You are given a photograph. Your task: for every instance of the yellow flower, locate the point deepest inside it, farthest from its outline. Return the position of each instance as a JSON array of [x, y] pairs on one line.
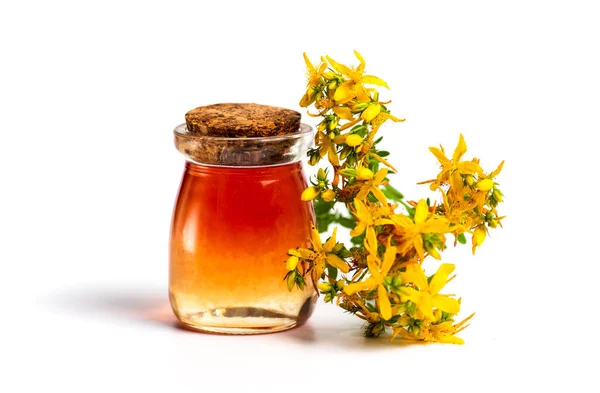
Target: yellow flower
[[343, 112], [433, 331], [369, 215], [378, 271], [321, 254], [426, 295], [453, 168], [327, 147], [411, 231], [314, 79], [370, 184], [354, 87]]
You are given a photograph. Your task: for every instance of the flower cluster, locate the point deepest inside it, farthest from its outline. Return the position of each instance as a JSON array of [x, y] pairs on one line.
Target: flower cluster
[[383, 281]]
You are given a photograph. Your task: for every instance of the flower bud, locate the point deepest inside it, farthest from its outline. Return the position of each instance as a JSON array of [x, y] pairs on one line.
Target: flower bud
[[291, 280], [321, 174], [470, 180], [309, 194], [328, 195], [353, 140], [485, 185], [291, 263], [364, 174], [314, 159], [333, 123], [324, 287], [322, 125], [339, 285], [497, 195]]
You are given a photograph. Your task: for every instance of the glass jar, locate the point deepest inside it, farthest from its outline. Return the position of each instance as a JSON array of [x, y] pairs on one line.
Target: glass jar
[[237, 214]]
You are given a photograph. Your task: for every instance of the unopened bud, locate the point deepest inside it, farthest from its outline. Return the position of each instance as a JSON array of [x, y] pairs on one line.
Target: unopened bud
[[485, 185], [291, 263], [328, 195], [324, 287]]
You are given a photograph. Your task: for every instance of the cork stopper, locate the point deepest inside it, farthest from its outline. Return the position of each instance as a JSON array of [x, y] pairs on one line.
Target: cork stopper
[[243, 135], [242, 121]]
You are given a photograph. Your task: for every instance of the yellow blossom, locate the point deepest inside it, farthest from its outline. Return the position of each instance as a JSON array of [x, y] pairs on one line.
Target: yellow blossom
[[314, 79], [411, 231], [371, 183], [453, 168], [426, 295], [321, 254], [369, 215], [354, 87], [327, 147], [378, 271]]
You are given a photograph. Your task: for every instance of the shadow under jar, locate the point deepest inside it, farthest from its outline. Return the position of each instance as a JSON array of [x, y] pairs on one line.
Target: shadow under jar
[[237, 214]]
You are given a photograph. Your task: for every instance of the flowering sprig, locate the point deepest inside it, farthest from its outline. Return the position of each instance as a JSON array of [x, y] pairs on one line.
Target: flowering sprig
[[383, 279]]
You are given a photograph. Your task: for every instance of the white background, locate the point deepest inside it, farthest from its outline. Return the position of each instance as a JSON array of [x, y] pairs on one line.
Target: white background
[[89, 95]]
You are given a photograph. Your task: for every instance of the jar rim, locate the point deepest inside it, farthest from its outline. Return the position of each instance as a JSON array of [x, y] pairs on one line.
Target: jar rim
[[181, 131]]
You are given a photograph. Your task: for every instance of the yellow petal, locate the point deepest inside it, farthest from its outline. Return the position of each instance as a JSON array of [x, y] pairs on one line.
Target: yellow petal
[[440, 278], [342, 69], [343, 112], [362, 194], [414, 274], [371, 241], [373, 80], [309, 66], [380, 175], [354, 140], [360, 286], [497, 170], [337, 262], [439, 154], [309, 194], [461, 148], [485, 185], [316, 240], [421, 212], [379, 195], [360, 228], [344, 93], [388, 260], [332, 156], [371, 112], [361, 66], [446, 304], [385, 307], [478, 237], [330, 243]]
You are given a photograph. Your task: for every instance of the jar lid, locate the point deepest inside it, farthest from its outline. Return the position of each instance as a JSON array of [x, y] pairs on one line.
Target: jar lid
[[242, 120]]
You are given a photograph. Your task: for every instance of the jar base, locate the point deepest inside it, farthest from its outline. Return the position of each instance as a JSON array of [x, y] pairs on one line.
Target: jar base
[[243, 320]]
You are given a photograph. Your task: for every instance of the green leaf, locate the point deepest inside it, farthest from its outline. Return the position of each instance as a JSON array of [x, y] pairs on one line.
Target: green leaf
[[462, 239], [392, 193], [332, 272]]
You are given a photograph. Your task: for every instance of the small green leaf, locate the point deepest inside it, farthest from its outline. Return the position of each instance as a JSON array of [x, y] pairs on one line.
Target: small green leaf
[[392, 193], [332, 272], [462, 239]]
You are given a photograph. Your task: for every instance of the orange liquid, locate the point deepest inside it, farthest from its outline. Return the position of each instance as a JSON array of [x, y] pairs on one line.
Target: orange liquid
[[230, 234]]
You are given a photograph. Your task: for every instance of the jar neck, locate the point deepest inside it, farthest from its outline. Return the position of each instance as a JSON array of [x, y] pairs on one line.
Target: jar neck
[[221, 170]]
